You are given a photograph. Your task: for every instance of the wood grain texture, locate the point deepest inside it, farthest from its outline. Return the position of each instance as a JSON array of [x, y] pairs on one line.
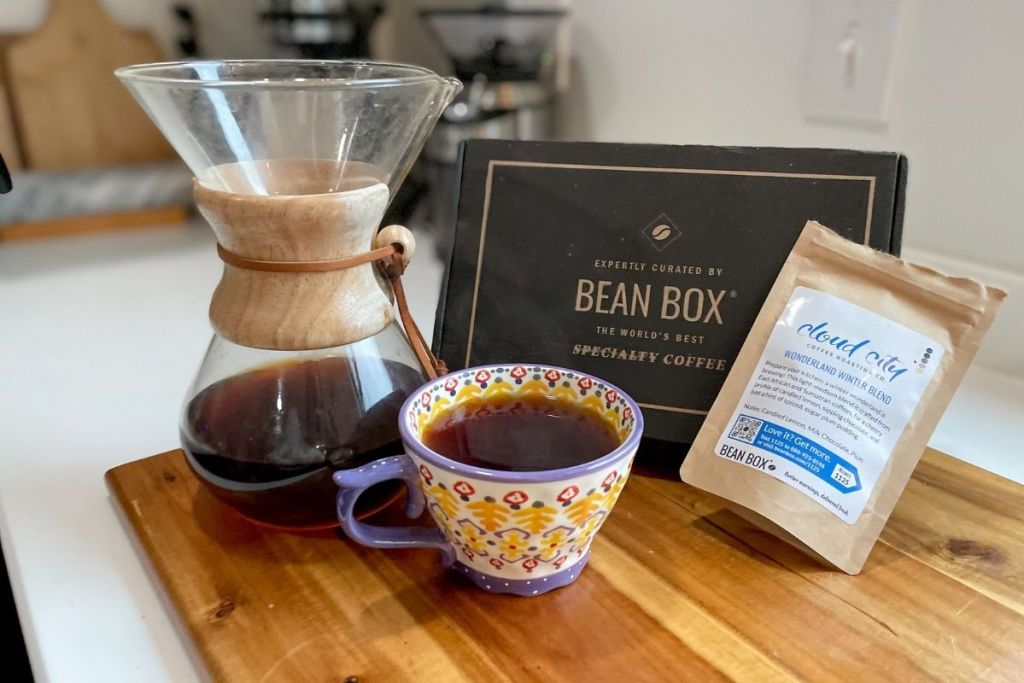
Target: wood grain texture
[[310, 210], [71, 112], [67, 226], [678, 589]]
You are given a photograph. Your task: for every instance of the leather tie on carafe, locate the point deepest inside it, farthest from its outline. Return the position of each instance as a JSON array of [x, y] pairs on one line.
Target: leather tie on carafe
[[389, 258]]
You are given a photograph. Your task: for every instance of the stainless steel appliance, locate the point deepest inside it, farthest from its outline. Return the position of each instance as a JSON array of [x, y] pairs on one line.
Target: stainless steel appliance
[[322, 29], [514, 64], [508, 59]]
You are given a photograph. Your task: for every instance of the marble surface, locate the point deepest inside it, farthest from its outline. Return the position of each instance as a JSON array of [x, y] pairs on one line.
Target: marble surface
[[38, 195], [99, 338]]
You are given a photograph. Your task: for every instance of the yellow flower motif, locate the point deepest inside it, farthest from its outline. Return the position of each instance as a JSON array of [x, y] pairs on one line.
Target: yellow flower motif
[[443, 520], [587, 531], [438, 408], [536, 517], [506, 388], [468, 393], [533, 386], [566, 393], [613, 494], [472, 537], [490, 513], [593, 403], [512, 544], [445, 499], [583, 507], [552, 543]]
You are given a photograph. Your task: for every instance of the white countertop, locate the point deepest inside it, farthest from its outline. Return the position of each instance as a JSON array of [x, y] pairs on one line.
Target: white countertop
[[99, 339]]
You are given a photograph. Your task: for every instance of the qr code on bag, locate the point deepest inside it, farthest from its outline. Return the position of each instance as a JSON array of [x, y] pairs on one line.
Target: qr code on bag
[[745, 428]]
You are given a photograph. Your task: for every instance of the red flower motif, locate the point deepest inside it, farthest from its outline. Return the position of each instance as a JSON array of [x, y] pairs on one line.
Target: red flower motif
[[451, 384], [518, 372], [428, 476], [610, 479], [585, 382], [516, 497], [560, 561], [496, 563], [611, 396], [468, 553], [482, 377], [627, 413], [568, 493], [552, 375], [530, 564], [463, 488], [425, 399]]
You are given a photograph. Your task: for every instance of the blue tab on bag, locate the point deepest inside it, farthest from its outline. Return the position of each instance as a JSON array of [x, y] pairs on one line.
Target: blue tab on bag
[[802, 451]]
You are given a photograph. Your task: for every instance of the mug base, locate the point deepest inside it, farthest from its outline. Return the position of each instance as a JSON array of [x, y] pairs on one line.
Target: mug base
[[523, 587]]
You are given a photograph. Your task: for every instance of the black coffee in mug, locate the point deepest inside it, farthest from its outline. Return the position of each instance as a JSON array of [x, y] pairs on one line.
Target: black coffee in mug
[[530, 433]]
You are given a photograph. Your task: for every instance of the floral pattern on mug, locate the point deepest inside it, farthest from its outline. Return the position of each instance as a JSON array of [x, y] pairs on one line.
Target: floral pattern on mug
[[537, 539], [525, 530], [486, 390]]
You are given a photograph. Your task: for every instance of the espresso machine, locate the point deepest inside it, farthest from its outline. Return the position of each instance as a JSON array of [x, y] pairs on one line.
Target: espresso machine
[[513, 64]]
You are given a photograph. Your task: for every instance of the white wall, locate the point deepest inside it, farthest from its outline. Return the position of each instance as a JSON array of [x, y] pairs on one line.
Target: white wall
[[729, 72]]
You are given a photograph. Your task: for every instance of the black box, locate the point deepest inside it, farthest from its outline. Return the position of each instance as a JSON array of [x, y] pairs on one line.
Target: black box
[[687, 241]]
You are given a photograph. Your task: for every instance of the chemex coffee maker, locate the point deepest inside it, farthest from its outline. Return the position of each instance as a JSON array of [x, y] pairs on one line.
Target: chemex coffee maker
[[295, 163]]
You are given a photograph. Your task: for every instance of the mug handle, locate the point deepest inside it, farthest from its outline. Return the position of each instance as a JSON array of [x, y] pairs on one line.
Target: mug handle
[[355, 481]]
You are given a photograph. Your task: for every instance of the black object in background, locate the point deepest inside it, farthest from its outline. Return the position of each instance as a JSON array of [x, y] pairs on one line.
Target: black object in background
[[16, 667], [187, 42], [336, 29], [5, 177], [642, 264]]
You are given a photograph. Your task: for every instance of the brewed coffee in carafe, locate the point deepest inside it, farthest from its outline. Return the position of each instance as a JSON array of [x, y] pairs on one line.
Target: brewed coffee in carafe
[[295, 164], [267, 440]]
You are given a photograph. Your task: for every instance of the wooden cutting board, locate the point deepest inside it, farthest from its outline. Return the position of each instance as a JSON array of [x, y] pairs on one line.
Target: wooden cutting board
[[71, 112], [677, 589]]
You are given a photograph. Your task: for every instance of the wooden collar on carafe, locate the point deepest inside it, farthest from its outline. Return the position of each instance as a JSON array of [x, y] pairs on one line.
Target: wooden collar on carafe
[[397, 248]]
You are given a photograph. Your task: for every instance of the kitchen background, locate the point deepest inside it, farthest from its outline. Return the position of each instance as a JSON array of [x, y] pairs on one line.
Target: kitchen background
[[100, 334], [734, 72]]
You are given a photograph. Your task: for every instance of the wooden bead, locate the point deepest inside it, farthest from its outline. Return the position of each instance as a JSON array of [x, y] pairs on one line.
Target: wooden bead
[[397, 234]]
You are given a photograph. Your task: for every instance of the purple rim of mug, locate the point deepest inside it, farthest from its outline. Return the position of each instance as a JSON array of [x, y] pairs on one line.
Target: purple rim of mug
[[414, 443]]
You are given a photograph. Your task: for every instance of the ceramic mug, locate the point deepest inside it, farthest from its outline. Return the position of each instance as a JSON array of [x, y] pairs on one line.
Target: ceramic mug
[[523, 533]]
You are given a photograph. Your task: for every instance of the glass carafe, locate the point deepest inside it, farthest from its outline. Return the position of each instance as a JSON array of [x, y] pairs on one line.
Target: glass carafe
[[295, 164]]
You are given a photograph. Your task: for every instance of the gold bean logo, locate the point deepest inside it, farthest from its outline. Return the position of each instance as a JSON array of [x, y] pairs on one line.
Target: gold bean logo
[[661, 232]]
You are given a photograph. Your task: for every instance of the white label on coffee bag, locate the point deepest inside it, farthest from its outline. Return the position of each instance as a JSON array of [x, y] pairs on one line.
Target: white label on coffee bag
[[829, 399]]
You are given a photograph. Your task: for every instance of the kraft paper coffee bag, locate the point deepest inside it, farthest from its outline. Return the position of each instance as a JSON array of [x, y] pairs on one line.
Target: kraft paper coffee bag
[[844, 375]]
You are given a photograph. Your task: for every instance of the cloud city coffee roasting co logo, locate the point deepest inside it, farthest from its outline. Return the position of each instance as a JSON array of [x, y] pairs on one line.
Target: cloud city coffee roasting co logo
[[662, 232]]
